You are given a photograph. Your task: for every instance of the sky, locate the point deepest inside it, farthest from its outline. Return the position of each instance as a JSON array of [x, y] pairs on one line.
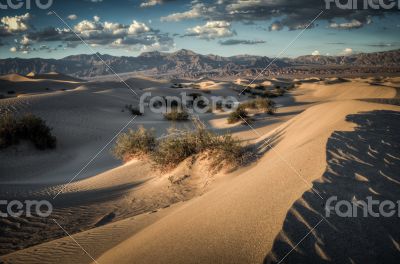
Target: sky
[[221, 27]]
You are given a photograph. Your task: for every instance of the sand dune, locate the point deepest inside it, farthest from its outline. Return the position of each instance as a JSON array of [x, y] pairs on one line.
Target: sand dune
[[252, 215], [219, 226]]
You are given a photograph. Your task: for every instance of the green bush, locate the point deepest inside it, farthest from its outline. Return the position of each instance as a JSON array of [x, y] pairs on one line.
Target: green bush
[[238, 115], [176, 115], [28, 127], [134, 144]]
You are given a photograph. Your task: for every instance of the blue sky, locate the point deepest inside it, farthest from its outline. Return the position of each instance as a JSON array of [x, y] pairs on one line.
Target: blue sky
[[222, 27]]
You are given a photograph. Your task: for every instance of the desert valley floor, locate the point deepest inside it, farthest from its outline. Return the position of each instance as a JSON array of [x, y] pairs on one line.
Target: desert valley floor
[[328, 137]]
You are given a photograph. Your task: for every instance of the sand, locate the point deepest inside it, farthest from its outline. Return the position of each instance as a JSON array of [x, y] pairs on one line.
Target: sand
[[250, 215]]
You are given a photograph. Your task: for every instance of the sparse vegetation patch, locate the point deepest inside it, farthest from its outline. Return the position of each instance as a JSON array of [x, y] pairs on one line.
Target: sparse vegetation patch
[[238, 115], [177, 145], [176, 115], [28, 127]]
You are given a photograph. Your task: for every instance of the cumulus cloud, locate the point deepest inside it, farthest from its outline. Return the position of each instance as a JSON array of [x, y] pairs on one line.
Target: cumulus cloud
[[25, 41], [198, 10], [346, 52], [14, 24], [72, 17], [348, 25], [96, 32], [212, 30], [276, 26], [286, 13], [231, 42], [151, 3], [13, 49], [315, 53]]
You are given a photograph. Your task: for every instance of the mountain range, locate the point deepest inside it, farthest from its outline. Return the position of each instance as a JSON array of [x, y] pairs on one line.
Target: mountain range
[[186, 63]]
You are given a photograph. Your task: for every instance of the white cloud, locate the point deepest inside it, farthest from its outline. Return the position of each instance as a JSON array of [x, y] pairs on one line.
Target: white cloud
[[13, 24], [96, 18], [137, 27], [346, 52], [315, 53], [197, 11], [13, 49], [72, 17], [212, 30], [347, 25], [276, 26], [25, 41], [150, 3], [86, 25]]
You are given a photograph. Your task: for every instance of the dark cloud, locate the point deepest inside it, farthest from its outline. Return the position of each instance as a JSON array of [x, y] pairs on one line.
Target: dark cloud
[[286, 13], [230, 42]]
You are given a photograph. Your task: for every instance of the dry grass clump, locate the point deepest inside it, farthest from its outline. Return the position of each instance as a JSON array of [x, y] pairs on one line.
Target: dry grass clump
[[238, 115], [28, 127], [176, 115], [178, 145], [133, 110], [134, 144], [264, 104]]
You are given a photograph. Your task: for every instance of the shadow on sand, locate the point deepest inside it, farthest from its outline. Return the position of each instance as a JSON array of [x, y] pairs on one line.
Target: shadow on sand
[[361, 163]]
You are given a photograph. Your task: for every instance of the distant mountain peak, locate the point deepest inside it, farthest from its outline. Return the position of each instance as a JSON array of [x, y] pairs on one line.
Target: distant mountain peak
[[185, 52]]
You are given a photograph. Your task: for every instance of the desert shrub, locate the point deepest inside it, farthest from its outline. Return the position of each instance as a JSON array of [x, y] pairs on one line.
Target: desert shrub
[[178, 145], [28, 127], [34, 128], [266, 105], [11, 92], [9, 132], [176, 115], [138, 143], [133, 110], [259, 87], [249, 104], [280, 91], [2, 96], [174, 149], [238, 115]]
